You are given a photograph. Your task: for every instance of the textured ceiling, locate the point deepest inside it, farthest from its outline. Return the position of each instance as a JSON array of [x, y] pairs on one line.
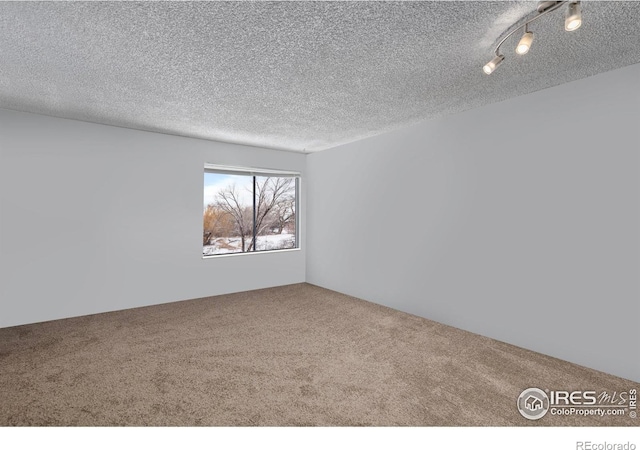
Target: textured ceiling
[[301, 76]]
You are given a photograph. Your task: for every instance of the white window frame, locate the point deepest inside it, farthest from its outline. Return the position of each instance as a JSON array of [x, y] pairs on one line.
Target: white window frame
[[260, 172]]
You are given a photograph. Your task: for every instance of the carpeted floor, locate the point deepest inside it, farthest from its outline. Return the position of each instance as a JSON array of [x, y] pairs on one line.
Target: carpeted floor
[[292, 355]]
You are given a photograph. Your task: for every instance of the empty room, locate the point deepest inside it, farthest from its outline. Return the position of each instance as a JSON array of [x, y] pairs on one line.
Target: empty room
[[327, 214]]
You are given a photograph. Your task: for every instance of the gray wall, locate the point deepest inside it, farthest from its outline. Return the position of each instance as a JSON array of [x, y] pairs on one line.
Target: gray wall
[[97, 218], [478, 220], [517, 221]]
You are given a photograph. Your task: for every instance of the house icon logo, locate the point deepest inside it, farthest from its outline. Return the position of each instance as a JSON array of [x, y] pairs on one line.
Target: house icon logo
[[533, 403]]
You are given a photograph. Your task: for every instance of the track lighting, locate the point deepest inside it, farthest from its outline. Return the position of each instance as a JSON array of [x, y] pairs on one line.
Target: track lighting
[[493, 64], [525, 43], [573, 20]]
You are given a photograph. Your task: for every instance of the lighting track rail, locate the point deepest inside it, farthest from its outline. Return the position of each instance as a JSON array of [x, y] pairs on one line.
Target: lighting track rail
[[573, 20]]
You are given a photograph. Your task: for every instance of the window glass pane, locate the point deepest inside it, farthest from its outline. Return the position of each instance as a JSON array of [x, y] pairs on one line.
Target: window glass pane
[[228, 213], [240, 209], [275, 213]]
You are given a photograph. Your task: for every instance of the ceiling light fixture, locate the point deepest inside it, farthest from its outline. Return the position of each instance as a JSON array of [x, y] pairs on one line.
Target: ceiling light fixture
[[525, 42], [493, 64], [573, 20]]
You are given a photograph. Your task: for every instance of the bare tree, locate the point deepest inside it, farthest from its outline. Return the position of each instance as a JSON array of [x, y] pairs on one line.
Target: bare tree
[[271, 193], [216, 223], [284, 213], [228, 200], [275, 197]]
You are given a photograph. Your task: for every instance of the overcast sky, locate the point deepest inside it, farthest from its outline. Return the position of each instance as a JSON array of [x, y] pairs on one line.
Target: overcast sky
[[214, 182]]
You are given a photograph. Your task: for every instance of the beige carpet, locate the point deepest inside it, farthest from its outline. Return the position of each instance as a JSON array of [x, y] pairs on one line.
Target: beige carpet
[[293, 355]]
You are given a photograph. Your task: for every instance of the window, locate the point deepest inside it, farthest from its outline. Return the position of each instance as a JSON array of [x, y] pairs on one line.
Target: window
[[249, 210]]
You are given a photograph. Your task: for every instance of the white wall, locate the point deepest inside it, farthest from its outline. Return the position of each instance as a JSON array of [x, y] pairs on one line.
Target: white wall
[[97, 218], [518, 221], [479, 220]]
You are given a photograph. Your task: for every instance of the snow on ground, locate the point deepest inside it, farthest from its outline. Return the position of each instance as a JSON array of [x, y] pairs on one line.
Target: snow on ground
[[225, 245]]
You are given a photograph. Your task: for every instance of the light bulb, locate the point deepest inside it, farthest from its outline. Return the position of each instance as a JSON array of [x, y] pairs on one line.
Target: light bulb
[[573, 19], [493, 64], [525, 43]]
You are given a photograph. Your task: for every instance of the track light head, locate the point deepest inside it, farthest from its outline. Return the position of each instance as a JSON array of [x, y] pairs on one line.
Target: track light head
[[525, 43], [493, 64], [573, 19]]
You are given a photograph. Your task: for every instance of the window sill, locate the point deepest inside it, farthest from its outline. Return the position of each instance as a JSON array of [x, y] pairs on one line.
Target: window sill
[[263, 252]]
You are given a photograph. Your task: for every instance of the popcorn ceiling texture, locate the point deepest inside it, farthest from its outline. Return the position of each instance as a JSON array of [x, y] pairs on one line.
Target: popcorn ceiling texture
[[301, 76]]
